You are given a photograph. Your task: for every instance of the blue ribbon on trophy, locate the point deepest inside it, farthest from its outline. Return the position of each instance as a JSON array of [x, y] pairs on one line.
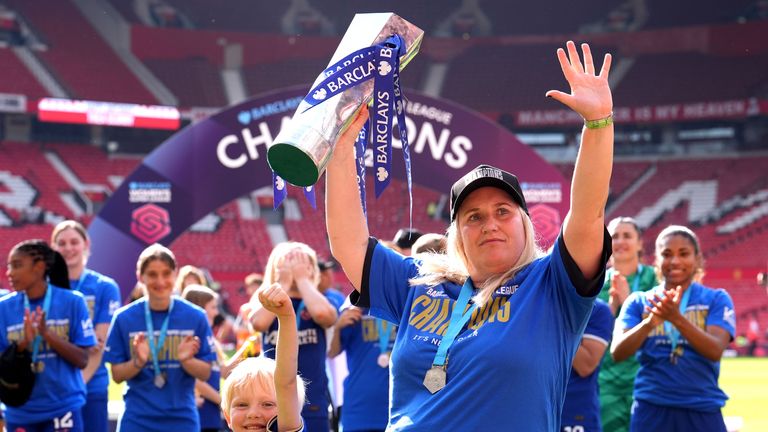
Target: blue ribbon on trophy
[[381, 63], [280, 192], [364, 69]]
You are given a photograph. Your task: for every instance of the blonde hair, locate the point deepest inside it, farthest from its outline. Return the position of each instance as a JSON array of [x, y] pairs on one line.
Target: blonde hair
[[453, 265], [178, 285], [254, 372], [279, 252]]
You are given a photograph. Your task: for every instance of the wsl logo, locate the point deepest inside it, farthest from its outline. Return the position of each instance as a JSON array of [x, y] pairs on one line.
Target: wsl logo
[[150, 223]]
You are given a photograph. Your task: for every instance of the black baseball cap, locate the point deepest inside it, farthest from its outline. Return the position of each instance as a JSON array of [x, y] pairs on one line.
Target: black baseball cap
[[326, 265], [406, 237], [482, 176]]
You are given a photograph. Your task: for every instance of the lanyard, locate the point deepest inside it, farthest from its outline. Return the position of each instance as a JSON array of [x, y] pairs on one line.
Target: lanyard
[[79, 281], [669, 329], [459, 318], [155, 348], [46, 307], [636, 280], [299, 309], [383, 335]]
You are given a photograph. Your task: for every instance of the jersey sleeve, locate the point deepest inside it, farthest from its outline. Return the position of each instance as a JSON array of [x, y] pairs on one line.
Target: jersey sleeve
[[600, 324], [81, 328], [109, 302], [632, 311], [207, 351], [385, 283], [574, 293], [116, 349], [722, 313]]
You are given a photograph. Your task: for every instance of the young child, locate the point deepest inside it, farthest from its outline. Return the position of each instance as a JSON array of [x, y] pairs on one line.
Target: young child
[[259, 391]]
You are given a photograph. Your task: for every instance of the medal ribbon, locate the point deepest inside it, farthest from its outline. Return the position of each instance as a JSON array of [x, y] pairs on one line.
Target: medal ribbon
[[636, 280], [669, 329], [382, 63], [459, 318], [154, 349], [383, 335], [37, 341]]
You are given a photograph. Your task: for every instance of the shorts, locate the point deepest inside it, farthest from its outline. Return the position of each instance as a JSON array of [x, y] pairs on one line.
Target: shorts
[[650, 417], [95, 413], [70, 421]]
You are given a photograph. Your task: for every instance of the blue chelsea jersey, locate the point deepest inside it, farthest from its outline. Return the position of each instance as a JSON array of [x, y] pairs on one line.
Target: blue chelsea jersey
[[59, 388], [692, 382], [172, 407], [508, 367]]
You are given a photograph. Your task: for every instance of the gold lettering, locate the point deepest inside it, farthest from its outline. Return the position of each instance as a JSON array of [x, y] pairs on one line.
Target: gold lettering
[[437, 321], [423, 317]]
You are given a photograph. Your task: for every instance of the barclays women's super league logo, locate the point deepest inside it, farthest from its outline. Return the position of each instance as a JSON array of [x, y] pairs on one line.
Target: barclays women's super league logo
[[150, 223]]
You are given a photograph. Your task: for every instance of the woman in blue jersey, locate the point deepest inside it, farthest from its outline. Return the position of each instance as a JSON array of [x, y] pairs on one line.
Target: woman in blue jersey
[[46, 318], [102, 296], [626, 275], [209, 399], [679, 331], [294, 266], [159, 344], [368, 344], [581, 408], [486, 334]]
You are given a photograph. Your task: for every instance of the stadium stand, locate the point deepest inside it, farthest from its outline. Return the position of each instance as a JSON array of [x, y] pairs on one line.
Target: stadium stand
[[84, 64]]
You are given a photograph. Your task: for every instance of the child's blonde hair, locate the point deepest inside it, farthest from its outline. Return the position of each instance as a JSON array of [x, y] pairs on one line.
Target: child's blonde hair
[[254, 371]]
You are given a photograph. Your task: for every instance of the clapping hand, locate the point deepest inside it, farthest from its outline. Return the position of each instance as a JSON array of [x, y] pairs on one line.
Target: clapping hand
[[141, 348], [188, 347]]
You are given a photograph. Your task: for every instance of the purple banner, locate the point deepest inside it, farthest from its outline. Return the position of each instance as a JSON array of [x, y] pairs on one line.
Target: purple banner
[[223, 157]]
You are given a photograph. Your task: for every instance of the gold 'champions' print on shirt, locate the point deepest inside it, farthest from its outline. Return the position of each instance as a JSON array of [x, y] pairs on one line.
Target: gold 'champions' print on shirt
[[58, 327], [371, 330], [696, 314], [170, 348], [433, 314], [90, 301]]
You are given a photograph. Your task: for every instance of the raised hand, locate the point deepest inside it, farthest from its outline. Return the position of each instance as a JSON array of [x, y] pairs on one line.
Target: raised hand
[[284, 272], [188, 347], [348, 317], [590, 94], [274, 299], [300, 265]]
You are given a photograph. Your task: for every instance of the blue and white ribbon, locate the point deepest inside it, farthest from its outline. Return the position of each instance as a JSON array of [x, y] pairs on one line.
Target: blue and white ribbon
[[382, 63]]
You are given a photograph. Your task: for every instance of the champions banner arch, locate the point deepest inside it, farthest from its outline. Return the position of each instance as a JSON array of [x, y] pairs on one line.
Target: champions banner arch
[[223, 157]]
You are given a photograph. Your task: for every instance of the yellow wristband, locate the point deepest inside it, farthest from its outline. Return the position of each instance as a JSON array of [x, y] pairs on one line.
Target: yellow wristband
[[599, 123]]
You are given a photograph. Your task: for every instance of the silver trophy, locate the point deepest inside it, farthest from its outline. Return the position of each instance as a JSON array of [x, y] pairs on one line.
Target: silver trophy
[[302, 149]]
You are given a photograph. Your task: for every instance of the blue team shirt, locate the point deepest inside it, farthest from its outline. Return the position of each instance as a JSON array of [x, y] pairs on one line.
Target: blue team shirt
[[312, 354], [582, 397], [102, 296], [508, 369], [60, 387], [172, 407], [692, 382], [366, 388]]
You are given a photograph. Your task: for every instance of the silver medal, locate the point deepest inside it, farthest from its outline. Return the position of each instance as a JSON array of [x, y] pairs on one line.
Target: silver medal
[[434, 380], [383, 360], [159, 381]]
